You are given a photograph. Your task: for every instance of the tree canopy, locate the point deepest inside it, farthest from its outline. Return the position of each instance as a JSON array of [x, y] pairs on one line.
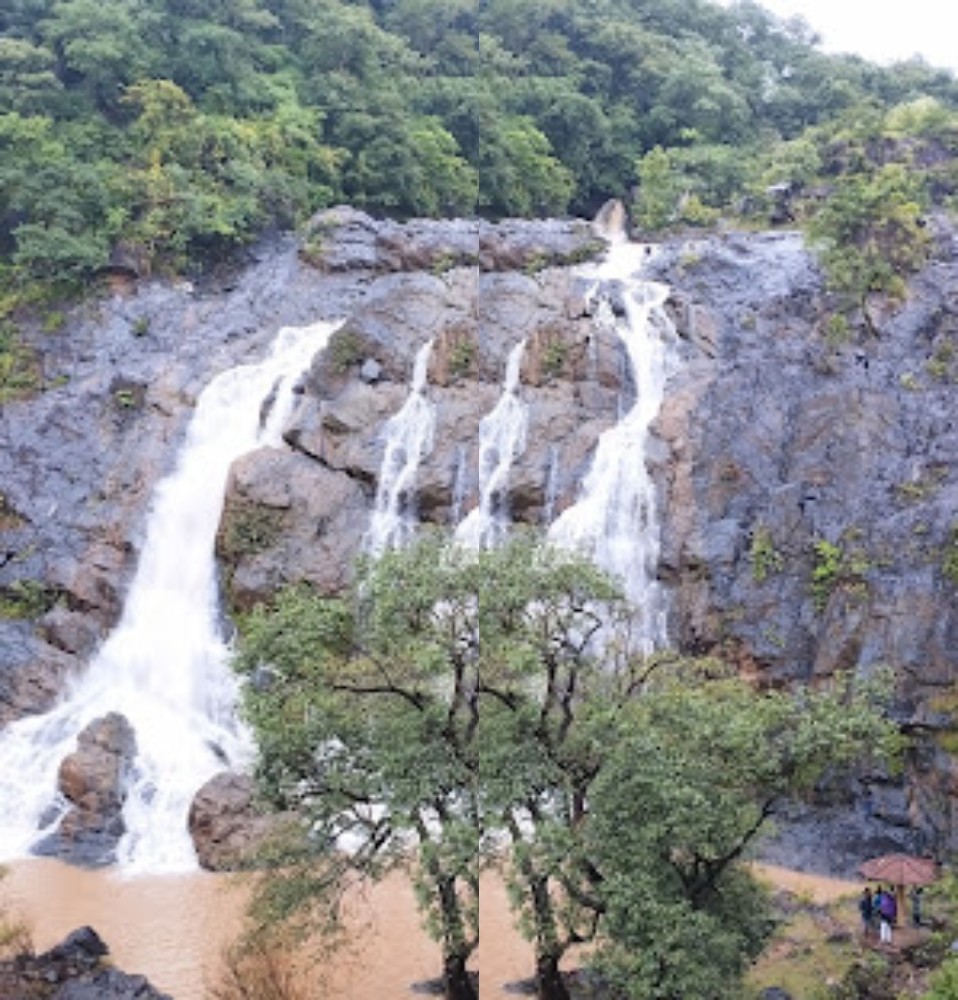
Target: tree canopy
[[191, 128], [464, 708]]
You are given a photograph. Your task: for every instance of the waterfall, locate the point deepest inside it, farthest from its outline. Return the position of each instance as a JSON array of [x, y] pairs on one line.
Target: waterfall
[[615, 522], [409, 438], [166, 664], [502, 438], [552, 486], [459, 485]]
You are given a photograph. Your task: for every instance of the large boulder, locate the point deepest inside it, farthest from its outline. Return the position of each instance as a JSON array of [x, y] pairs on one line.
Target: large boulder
[[288, 519], [93, 780], [226, 824]]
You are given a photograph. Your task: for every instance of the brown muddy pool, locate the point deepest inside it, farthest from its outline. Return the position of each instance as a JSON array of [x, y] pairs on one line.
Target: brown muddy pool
[[173, 929]]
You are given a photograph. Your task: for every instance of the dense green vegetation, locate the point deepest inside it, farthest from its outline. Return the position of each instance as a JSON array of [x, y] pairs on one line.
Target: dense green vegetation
[[184, 129], [454, 712]]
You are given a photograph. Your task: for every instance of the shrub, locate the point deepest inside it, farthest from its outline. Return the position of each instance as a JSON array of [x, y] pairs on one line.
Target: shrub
[[26, 599], [345, 349], [461, 357], [554, 357], [248, 529], [763, 555], [949, 559], [14, 934], [259, 970], [825, 572]]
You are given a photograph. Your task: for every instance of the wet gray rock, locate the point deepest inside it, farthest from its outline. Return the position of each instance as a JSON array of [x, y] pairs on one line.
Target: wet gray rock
[[787, 431], [79, 461], [289, 519], [321, 497], [82, 946], [371, 371], [73, 970], [343, 239], [531, 245], [109, 984], [32, 672]]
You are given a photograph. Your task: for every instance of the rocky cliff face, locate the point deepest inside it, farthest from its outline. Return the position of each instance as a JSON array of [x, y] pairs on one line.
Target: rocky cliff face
[[79, 461], [807, 468], [811, 485], [301, 514]]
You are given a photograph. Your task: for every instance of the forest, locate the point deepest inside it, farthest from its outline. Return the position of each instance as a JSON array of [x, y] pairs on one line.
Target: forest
[[183, 130]]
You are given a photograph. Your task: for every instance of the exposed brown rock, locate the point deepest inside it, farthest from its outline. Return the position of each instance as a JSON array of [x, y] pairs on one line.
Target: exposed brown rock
[[226, 826]]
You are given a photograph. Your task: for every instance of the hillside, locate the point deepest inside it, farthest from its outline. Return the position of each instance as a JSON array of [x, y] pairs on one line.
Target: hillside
[[166, 133]]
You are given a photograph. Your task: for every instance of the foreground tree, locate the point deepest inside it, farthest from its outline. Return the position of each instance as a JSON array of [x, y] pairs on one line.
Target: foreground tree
[[628, 788], [367, 712], [366, 715], [544, 678], [699, 764], [462, 708]]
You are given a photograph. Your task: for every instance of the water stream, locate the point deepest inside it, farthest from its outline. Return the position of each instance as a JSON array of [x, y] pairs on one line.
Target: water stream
[[409, 439], [614, 522], [165, 666], [502, 439]]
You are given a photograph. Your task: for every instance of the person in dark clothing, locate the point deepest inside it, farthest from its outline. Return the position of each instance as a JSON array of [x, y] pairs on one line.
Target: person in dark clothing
[[915, 897], [866, 907], [887, 914]]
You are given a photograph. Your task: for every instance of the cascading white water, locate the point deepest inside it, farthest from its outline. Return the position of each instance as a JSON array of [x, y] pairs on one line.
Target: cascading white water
[[552, 486], [165, 666], [409, 439], [502, 439], [459, 485], [615, 521]]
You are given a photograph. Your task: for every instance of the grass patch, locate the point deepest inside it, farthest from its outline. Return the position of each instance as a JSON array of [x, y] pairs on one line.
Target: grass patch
[[19, 366], [801, 960], [257, 970]]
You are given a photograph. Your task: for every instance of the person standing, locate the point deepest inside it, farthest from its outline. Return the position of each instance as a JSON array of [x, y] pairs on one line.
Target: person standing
[[915, 896], [887, 914], [866, 907]]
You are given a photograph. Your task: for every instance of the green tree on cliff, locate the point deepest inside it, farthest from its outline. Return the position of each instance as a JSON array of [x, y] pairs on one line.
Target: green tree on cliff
[[871, 233]]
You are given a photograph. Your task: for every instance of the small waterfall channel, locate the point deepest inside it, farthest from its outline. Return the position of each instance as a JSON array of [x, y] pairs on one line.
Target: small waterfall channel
[[502, 439], [409, 439], [165, 666], [615, 521]]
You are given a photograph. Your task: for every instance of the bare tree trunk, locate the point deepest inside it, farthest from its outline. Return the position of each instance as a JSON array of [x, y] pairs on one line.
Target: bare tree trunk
[[456, 979], [549, 982]]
